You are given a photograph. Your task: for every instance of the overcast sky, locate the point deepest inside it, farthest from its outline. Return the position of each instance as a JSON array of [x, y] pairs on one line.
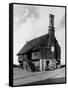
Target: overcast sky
[[33, 21]]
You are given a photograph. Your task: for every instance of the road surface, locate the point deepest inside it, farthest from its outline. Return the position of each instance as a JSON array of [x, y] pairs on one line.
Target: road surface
[[45, 77]]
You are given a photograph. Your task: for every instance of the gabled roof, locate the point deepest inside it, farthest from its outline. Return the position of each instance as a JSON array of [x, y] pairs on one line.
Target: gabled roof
[[35, 44]]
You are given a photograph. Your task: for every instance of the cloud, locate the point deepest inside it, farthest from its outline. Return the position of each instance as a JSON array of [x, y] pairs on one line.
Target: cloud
[[62, 23], [23, 12]]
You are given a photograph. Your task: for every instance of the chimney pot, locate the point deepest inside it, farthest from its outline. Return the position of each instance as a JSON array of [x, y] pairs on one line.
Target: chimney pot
[[51, 22]]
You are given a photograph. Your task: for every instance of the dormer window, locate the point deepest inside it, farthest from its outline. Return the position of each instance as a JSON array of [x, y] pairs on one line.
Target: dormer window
[[52, 48]]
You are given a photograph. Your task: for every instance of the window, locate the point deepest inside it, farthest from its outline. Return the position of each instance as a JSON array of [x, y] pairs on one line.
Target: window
[[35, 53], [52, 48], [21, 56]]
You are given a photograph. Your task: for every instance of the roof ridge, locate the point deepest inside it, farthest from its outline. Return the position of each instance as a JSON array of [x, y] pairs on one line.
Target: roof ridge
[[37, 37], [33, 43]]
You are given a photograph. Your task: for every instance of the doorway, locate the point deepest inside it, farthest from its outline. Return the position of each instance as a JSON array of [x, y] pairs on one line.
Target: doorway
[[47, 65]]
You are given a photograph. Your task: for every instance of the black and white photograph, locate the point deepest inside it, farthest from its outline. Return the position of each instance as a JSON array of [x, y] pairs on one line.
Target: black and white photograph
[[39, 44]]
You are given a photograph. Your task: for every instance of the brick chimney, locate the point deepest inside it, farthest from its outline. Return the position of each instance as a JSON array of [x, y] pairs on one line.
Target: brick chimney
[[51, 29]]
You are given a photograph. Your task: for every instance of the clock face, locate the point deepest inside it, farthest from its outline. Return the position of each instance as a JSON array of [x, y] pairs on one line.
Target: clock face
[[52, 48]]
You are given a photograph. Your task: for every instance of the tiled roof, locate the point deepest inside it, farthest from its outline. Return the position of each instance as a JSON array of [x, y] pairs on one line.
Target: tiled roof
[[35, 44]]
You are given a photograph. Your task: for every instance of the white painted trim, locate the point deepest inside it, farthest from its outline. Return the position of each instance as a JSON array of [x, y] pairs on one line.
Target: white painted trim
[[40, 64], [44, 64]]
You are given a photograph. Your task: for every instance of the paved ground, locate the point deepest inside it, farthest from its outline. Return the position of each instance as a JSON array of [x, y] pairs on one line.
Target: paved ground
[[22, 77]]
